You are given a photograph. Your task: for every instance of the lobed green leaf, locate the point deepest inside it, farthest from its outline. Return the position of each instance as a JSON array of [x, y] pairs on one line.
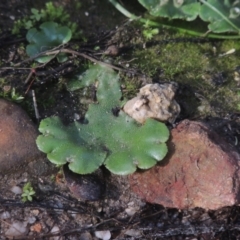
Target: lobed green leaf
[[222, 15], [50, 35], [119, 141], [181, 9]]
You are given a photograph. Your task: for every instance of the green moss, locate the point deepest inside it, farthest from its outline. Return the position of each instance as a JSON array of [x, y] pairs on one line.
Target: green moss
[[130, 86], [175, 59], [196, 65]]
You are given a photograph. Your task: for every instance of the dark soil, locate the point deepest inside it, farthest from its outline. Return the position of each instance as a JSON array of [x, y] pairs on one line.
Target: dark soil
[[53, 204]]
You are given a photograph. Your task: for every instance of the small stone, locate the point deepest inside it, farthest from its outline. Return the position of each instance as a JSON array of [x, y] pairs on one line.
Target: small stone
[[104, 235], [55, 229], [17, 138], [16, 190], [35, 212], [112, 50], [17, 229], [85, 236], [133, 233], [36, 228], [31, 219], [200, 170], [154, 101], [131, 211], [5, 215]]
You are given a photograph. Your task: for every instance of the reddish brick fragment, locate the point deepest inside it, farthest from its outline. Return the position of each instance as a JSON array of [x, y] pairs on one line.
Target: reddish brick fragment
[[201, 170]]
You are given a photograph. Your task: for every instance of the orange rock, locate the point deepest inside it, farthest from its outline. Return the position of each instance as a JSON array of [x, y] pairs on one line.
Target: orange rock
[[201, 170], [37, 227], [17, 138]]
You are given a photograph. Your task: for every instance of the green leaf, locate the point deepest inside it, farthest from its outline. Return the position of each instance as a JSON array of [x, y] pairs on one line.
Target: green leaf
[[28, 24], [50, 36], [25, 194], [29, 198], [181, 9], [119, 142], [222, 15], [27, 186], [36, 14]]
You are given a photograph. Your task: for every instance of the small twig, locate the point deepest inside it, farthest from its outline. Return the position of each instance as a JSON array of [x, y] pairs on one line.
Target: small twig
[[36, 56], [29, 76], [55, 52], [84, 56], [35, 106], [11, 68], [29, 86]]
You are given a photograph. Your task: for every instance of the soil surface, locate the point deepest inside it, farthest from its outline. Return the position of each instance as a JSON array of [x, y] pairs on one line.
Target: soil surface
[[54, 212]]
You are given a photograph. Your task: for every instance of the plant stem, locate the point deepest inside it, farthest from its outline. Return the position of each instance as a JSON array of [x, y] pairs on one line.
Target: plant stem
[[124, 11], [151, 23]]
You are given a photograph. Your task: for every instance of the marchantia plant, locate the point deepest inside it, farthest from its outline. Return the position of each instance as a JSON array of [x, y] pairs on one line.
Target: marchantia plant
[[118, 142], [50, 35]]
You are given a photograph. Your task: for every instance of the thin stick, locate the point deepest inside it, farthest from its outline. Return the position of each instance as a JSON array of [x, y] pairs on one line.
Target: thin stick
[[55, 52], [38, 55], [29, 77], [84, 56], [35, 106], [29, 86]]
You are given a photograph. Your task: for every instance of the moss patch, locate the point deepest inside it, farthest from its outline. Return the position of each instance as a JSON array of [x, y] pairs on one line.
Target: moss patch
[[201, 66]]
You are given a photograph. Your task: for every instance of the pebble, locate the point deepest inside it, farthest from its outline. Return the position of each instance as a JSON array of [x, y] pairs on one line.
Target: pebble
[[55, 229], [85, 236], [16, 190], [133, 233], [5, 215], [104, 235], [17, 229]]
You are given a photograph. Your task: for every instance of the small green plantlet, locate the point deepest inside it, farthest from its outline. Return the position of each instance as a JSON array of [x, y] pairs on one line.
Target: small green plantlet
[[15, 96], [115, 140], [149, 33], [96, 48], [36, 14], [28, 192], [50, 36], [49, 14]]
